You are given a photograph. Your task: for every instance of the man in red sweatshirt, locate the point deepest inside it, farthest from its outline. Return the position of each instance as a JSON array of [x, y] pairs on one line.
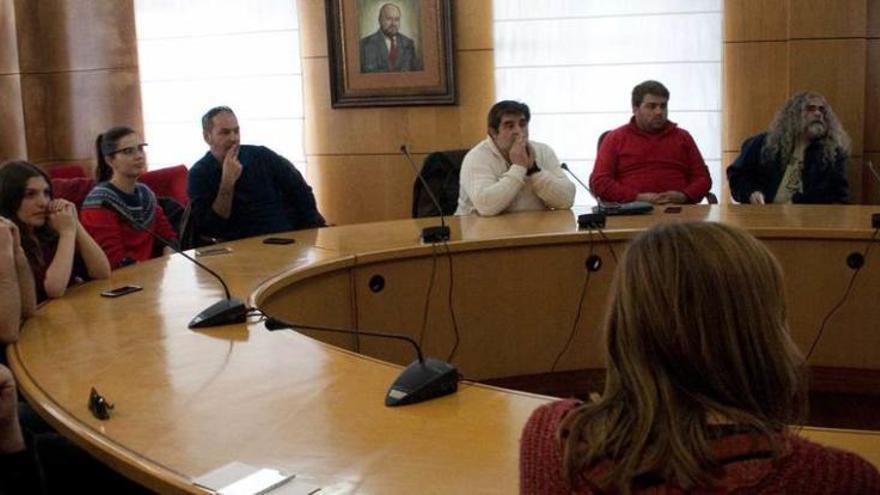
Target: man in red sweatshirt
[[650, 158]]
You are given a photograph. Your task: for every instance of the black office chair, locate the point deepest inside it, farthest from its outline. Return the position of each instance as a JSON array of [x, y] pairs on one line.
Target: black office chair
[[189, 236], [440, 170], [710, 197]]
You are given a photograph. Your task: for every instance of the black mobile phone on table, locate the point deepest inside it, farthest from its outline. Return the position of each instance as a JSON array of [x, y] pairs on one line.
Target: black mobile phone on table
[[121, 291], [278, 240]]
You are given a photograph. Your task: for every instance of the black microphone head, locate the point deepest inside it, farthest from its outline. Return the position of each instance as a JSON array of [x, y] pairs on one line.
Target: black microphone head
[[403, 148], [563, 165], [422, 380], [275, 324]]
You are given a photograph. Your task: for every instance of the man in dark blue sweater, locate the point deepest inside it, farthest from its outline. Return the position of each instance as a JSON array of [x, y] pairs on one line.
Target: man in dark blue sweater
[[239, 191]]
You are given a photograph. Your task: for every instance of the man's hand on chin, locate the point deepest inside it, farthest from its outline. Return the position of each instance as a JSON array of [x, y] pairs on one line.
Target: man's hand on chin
[[519, 152]]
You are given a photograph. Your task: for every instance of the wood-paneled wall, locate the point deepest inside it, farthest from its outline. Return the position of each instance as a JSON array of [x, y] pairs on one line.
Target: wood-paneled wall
[[775, 48], [353, 160], [68, 70]]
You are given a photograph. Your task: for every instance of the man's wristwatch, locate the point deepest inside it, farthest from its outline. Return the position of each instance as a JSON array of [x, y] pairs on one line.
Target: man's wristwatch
[[533, 169]]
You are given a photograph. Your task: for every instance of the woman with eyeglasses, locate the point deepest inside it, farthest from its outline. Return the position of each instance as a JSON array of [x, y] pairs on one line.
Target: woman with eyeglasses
[[59, 250], [703, 383], [119, 202]]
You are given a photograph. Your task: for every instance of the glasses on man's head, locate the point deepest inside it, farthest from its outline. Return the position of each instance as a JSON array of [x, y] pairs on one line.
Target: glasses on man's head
[[130, 150]]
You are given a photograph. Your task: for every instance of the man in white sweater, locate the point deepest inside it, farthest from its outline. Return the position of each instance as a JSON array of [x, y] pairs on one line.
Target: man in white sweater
[[506, 172]]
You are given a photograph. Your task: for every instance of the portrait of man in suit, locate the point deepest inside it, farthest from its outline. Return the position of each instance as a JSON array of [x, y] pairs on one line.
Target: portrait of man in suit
[[387, 49]]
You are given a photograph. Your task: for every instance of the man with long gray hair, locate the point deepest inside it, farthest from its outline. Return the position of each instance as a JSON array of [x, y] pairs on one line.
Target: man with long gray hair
[[801, 159]]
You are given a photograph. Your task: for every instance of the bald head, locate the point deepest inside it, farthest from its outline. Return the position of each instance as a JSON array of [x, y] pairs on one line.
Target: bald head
[[389, 19]]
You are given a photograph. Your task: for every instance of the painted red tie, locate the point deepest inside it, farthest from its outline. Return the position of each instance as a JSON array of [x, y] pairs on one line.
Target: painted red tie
[[392, 54]]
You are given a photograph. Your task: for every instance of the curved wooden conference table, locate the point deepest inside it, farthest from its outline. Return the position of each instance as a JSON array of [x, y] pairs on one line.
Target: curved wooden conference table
[[189, 401]]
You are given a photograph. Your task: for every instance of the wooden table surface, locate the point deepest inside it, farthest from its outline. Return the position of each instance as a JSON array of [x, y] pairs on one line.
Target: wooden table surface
[[188, 402]]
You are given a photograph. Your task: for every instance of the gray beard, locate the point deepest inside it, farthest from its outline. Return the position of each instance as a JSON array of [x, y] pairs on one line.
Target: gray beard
[[816, 130]]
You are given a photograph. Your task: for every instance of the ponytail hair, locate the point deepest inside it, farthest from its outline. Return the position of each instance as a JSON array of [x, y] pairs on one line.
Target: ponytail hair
[[105, 144]]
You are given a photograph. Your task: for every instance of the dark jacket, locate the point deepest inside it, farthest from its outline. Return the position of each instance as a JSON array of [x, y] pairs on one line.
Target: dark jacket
[[824, 181], [270, 196]]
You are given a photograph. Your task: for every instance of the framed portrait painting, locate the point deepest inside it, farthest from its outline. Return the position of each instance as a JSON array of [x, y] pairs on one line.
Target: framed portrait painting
[[390, 52]]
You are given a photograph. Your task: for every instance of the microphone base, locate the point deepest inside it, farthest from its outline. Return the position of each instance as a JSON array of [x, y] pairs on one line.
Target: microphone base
[[631, 208], [591, 221], [421, 381], [225, 312], [438, 233]]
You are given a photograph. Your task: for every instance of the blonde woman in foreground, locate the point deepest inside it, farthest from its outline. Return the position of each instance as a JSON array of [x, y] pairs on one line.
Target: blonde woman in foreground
[[701, 384]]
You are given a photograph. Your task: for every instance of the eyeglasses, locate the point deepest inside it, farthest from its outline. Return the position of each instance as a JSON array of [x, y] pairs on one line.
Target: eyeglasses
[[813, 108], [129, 150], [99, 406]]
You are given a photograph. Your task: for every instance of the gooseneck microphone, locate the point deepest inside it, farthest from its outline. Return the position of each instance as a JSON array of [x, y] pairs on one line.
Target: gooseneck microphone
[[595, 220], [229, 310], [429, 234], [564, 166], [424, 379], [873, 171], [875, 217]]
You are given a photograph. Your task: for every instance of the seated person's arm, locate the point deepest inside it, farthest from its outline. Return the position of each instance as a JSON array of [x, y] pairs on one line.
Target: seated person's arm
[[162, 226], [551, 184], [202, 189], [297, 192], [222, 205], [97, 265], [62, 219], [11, 438], [10, 296], [22, 276], [19, 472], [540, 456], [26, 285], [699, 179], [833, 186], [105, 227], [603, 180], [743, 175], [491, 194], [838, 185]]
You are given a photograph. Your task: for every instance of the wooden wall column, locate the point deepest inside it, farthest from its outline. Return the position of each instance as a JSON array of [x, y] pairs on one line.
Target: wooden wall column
[[775, 48], [12, 140], [76, 67]]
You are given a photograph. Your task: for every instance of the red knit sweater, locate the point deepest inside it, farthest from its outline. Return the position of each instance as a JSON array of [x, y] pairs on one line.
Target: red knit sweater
[[632, 161], [118, 239], [806, 468]]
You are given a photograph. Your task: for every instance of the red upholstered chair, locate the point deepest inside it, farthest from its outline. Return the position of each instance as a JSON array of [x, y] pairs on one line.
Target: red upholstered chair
[[169, 182], [64, 171], [73, 189]]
